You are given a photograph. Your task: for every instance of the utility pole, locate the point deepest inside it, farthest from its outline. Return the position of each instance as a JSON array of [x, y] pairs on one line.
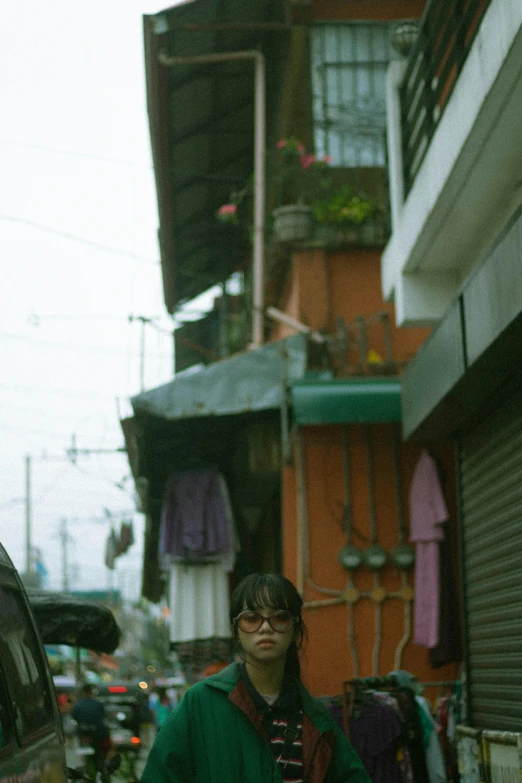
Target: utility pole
[[28, 508], [64, 536], [73, 452], [143, 320]]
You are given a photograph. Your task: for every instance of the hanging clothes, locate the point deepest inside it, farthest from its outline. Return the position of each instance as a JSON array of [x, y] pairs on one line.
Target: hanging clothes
[[199, 602], [375, 732], [390, 730], [126, 536], [432, 746], [112, 550], [449, 646], [196, 519], [428, 512]]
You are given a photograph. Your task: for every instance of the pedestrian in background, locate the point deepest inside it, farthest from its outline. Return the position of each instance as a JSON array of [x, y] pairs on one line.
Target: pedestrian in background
[[255, 720], [161, 707]]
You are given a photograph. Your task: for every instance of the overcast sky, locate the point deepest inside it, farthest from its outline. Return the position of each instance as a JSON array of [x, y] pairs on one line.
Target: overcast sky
[[78, 256]]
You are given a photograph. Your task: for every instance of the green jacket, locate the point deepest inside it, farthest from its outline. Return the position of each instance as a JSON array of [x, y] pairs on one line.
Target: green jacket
[[215, 736]]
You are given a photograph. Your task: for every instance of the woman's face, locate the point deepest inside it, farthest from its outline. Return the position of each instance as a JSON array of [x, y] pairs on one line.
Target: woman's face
[[265, 645]]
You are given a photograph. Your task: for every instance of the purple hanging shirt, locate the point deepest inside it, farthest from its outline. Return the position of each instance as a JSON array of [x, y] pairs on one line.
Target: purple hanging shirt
[[194, 524]]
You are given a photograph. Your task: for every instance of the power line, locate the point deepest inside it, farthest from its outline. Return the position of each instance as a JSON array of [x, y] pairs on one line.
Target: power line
[[75, 154], [35, 318], [58, 390], [81, 240], [76, 346], [32, 430]]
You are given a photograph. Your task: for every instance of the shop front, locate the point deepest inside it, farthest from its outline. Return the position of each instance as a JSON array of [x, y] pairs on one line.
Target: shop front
[[209, 447], [475, 398]]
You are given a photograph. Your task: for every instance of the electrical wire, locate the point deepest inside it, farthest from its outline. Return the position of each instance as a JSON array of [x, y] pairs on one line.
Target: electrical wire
[[32, 430], [81, 240], [103, 479], [72, 346], [75, 154], [55, 390]]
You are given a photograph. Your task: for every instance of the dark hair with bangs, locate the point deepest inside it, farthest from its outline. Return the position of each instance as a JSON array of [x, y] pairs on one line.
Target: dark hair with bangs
[[278, 592]]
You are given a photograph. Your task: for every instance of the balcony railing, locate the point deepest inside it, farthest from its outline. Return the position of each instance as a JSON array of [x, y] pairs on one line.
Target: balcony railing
[[446, 33]]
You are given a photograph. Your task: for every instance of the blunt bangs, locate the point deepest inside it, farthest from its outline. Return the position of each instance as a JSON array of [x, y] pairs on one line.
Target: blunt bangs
[[270, 590]]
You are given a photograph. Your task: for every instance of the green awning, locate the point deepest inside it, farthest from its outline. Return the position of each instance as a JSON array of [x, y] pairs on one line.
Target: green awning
[[346, 401]]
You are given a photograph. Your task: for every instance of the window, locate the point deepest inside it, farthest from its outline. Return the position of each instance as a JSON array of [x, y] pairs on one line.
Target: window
[[349, 64], [23, 665]]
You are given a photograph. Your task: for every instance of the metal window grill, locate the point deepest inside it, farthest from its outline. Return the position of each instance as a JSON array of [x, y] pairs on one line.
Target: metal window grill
[[348, 81]]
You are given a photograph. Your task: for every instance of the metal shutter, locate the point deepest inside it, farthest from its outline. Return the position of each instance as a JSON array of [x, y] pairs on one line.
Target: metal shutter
[[490, 462]]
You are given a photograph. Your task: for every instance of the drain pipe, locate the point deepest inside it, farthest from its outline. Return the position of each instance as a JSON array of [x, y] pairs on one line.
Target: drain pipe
[[259, 168]]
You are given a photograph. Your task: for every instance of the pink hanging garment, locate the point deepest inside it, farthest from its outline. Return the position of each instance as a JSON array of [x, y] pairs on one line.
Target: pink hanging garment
[[428, 512]]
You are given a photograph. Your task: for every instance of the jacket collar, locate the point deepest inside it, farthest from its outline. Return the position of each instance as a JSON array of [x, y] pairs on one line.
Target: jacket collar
[[227, 679]]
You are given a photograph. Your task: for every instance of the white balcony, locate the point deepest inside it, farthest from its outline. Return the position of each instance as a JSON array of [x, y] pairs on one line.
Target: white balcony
[[469, 183]]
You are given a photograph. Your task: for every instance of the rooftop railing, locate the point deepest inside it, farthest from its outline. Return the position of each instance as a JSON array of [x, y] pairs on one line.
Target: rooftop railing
[[446, 34]]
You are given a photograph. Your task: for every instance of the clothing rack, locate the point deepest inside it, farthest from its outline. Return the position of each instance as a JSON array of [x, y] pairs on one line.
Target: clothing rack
[[352, 689], [441, 684], [374, 683], [458, 692]]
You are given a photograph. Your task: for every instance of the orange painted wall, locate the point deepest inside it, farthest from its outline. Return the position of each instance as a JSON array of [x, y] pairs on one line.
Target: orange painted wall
[[322, 286], [328, 661], [349, 282]]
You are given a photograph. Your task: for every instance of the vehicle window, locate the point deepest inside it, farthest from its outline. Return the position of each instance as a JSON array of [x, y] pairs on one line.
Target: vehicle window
[[23, 665]]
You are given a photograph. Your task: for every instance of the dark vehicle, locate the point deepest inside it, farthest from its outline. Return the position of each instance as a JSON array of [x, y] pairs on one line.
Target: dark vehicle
[[31, 739], [62, 618]]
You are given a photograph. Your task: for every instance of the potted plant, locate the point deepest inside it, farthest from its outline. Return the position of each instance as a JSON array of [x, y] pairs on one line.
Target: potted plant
[[300, 179], [227, 213], [341, 213]]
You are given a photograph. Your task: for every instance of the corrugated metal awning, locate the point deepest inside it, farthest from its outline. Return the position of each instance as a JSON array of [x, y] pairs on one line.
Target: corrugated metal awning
[[201, 119], [252, 381], [346, 401]]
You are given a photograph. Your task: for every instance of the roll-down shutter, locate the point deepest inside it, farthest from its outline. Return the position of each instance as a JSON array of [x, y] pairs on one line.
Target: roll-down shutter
[[490, 459]]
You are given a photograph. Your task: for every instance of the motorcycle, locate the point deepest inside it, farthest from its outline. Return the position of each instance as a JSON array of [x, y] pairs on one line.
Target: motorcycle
[[92, 751], [127, 743]]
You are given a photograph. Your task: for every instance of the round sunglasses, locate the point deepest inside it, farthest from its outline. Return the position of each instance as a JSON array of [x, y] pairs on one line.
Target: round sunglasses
[[280, 621]]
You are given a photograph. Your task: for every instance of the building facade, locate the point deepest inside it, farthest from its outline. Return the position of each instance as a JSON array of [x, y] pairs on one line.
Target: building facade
[[304, 427], [454, 262]]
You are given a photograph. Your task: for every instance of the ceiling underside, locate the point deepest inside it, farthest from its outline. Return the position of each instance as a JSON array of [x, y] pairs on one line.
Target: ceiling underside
[[201, 120]]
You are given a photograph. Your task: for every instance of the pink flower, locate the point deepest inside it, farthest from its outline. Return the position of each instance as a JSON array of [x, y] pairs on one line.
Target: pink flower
[[227, 209], [327, 158], [307, 160], [227, 213], [281, 144]]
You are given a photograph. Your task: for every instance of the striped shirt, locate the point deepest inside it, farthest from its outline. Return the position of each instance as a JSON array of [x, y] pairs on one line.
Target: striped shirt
[[276, 717], [291, 761]]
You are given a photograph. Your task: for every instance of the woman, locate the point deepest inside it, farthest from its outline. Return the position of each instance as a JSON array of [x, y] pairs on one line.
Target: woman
[[255, 721]]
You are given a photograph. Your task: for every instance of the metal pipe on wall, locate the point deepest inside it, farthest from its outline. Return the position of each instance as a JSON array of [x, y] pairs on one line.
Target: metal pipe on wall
[[259, 168], [302, 511]]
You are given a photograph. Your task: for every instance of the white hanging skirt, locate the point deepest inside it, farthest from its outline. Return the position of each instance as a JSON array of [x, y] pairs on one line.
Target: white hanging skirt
[[199, 602]]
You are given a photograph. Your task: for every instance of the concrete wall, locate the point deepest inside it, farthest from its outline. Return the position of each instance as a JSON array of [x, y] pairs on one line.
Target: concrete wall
[[320, 287]]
